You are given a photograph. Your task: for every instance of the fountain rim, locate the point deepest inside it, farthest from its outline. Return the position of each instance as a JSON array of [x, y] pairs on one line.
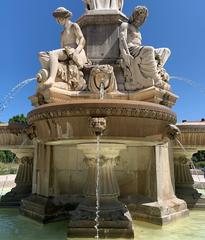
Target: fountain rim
[[12, 126], [122, 108]]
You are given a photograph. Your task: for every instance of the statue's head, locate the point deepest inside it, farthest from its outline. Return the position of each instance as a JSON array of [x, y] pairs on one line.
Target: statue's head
[[139, 16], [61, 14]]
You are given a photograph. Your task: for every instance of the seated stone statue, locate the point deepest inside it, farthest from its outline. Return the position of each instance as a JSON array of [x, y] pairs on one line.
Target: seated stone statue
[[104, 4], [143, 65], [64, 64]]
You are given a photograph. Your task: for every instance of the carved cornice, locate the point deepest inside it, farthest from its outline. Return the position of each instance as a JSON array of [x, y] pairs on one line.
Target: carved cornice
[[106, 17], [192, 134], [12, 135], [103, 108], [192, 128]]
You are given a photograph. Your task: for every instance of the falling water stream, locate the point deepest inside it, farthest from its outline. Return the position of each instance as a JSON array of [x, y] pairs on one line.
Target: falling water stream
[[97, 187], [193, 84], [102, 93], [8, 98]]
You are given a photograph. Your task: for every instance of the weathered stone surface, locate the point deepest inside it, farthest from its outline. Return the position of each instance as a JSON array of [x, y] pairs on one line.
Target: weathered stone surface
[[101, 31], [191, 140], [109, 209]]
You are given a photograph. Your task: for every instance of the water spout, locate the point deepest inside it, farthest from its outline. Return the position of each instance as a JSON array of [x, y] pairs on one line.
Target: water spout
[[7, 99]]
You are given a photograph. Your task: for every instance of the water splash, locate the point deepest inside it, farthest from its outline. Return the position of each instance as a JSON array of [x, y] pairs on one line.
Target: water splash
[[193, 84], [97, 188], [102, 90], [9, 97]]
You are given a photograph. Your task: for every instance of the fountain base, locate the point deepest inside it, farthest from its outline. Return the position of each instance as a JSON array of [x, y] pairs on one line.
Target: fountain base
[[44, 209], [159, 213], [191, 196], [14, 197], [114, 219], [107, 229]]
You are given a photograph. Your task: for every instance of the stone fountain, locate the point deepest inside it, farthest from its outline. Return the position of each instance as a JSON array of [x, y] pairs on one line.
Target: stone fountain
[[103, 51], [14, 138], [192, 139]]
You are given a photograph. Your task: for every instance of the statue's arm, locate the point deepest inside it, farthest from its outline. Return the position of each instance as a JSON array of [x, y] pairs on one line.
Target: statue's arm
[[123, 37], [79, 37], [61, 42], [121, 3]]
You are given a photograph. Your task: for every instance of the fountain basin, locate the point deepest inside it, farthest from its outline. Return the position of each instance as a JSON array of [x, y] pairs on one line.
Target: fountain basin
[[13, 136], [125, 120]]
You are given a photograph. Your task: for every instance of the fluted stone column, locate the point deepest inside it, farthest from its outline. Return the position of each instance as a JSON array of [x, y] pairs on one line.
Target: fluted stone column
[[114, 217], [23, 179], [182, 172], [184, 182]]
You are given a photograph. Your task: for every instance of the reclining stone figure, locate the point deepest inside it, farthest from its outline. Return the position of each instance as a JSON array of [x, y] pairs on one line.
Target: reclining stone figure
[[143, 65]]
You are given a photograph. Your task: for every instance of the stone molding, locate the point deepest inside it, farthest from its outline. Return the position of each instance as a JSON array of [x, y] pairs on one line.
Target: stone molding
[[105, 17], [12, 135], [192, 135], [103, 108]]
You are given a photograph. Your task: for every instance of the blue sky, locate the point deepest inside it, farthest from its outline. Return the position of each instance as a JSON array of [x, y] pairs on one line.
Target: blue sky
[[28, 27]]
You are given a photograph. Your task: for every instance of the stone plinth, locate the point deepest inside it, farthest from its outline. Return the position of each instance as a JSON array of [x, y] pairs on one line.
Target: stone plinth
[[160, 206], [101, 31], [152, 95], [114, 220]]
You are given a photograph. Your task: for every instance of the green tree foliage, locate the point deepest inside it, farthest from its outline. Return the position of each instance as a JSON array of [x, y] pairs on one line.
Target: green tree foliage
[[18, 119], [199, 159], [7, 157], [199, 156]]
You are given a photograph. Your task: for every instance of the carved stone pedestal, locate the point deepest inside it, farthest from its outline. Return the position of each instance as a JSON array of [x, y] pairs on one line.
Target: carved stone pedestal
[[161, 205], [185, 184], [43, 209], [23, 180], [114, 218]]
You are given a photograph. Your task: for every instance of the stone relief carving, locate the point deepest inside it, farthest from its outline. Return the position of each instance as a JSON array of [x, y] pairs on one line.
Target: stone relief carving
[[102, 74], [142, 65], [61, 68], [173, 131], [104, 4], [98, 125]]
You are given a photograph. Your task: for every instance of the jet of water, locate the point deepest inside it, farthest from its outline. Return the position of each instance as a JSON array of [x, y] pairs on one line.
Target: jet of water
[[8, 98], [194, 84]]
